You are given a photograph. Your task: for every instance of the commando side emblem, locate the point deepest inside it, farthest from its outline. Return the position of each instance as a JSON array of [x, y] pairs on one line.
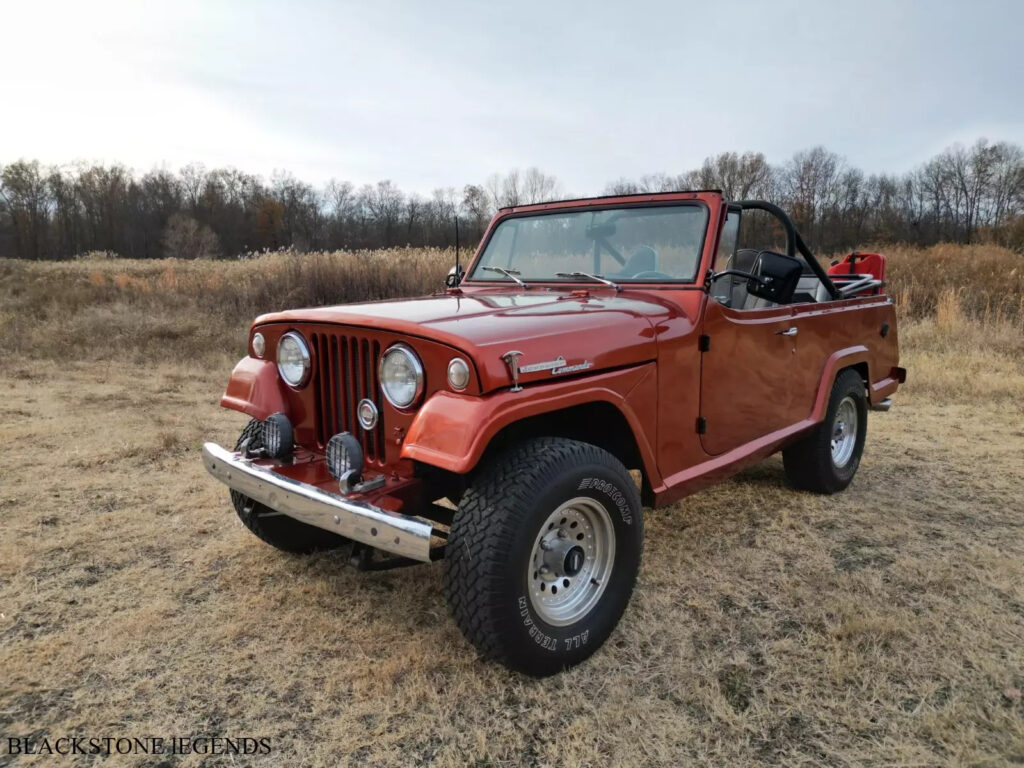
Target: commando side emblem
[[556, 366]]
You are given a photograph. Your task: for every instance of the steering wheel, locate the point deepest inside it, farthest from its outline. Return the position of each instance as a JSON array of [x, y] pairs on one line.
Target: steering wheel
[[652, 274]]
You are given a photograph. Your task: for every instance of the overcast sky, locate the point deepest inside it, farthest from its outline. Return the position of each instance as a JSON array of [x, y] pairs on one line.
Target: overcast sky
[[438, 93]]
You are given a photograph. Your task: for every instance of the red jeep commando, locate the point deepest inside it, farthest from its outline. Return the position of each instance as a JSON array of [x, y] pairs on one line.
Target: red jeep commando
[[597, 357]]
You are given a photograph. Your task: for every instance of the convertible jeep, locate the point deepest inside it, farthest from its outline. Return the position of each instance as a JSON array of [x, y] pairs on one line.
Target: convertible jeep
[[596, 357]]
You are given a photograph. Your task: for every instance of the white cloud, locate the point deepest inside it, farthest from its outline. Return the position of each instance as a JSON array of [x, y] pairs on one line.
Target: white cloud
[[446, 93]]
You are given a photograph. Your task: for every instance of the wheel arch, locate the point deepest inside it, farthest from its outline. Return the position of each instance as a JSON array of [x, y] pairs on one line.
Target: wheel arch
[[854, 358], [597, 422], [862, 369], [616, 411]]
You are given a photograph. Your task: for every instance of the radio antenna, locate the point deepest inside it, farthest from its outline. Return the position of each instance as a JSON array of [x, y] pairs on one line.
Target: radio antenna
[[458, 278]]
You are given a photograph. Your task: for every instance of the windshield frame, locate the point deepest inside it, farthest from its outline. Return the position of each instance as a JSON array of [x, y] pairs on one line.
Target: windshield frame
[[472, 278]]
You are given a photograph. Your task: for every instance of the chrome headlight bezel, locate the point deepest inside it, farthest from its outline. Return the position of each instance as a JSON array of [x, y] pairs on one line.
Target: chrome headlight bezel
[[307, 363], [407, 352]]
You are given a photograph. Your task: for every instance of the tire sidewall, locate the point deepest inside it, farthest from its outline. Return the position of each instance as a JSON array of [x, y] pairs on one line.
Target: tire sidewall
[[852, 387], [535, 645]]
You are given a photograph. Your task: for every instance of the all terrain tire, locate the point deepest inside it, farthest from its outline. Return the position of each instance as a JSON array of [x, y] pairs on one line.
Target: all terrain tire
[[543, 554], [277, 530], [826, 459]]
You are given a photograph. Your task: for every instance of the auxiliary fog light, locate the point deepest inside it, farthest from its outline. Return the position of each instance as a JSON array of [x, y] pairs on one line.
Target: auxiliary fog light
[[345, 457], [278, 436]]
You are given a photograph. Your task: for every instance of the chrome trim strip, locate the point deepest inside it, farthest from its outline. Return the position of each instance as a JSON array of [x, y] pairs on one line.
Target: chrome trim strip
[[882, 405], [356, 520]]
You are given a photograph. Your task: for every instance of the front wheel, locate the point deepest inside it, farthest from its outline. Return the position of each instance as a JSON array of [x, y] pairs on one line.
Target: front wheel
[[826, 460], [543, 554]]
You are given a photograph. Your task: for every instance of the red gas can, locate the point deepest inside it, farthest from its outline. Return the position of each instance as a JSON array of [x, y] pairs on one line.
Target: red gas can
[[857, 265]]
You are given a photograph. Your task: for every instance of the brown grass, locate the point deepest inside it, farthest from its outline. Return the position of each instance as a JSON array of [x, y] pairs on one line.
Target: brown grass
[[120, 309], [881, 626], [123, 309], [987, 280]]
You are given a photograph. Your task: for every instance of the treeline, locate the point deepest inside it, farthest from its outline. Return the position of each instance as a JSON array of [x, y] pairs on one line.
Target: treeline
[[964, 194]]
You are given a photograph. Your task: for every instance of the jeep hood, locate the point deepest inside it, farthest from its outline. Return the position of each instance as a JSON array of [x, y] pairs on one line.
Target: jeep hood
[[589, 332]]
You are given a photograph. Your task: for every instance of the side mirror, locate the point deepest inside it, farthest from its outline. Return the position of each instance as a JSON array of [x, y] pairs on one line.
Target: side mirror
[[455, 275], [777, 277]]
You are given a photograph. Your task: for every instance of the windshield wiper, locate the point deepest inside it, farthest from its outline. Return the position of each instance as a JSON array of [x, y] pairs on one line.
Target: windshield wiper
[[596, 278], [512, 273]]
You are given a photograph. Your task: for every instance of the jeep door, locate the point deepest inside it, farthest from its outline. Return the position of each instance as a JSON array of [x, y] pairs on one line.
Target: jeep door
[[747, 373], [748, 355]]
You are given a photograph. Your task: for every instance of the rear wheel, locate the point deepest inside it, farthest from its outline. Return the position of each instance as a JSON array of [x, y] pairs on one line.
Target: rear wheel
[[277, 530], [543, 554], [826, 460]]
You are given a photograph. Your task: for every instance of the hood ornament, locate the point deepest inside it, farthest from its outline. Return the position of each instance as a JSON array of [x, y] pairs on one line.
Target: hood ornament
[[512, 361]]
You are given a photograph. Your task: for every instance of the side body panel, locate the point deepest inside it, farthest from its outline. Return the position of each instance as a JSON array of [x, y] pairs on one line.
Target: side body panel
[[826, 328], [746, 383]]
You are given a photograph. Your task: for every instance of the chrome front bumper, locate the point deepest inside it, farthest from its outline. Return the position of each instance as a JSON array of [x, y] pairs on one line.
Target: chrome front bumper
[[356, 520]]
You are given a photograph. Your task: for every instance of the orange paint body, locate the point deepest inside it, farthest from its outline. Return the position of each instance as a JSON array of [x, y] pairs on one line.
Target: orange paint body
[[696, 415]]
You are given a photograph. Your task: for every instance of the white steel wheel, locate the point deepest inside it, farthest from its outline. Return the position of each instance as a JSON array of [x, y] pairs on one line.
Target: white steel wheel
[[572, 561], [844, 432], [826, 458]]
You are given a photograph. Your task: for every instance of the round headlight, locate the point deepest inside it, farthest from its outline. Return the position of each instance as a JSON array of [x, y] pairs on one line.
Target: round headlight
[[401, 376], [259, 344], [458, 374], [293, 359]]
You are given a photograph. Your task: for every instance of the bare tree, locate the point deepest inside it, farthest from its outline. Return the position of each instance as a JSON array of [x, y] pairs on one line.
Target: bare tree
[[26, 201], [384, 202], [538, 187], [186, 238], [963, 193]]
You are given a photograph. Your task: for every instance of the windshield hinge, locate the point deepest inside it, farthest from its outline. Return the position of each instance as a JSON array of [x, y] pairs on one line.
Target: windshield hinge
[[703, 342], [702, 425]]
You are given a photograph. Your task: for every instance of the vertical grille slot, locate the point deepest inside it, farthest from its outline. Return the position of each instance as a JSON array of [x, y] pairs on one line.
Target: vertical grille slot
[[345, 373]]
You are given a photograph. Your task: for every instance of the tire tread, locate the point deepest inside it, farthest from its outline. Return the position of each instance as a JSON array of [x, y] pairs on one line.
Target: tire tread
[[494, 506]]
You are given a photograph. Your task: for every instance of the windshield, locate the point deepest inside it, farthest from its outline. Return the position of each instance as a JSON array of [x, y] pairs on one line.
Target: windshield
[[639, 244]]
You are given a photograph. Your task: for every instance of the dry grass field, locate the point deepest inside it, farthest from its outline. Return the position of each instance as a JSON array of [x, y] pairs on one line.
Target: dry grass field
[[881, 626]]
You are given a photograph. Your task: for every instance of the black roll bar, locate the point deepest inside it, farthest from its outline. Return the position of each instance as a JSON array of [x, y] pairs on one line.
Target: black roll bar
[[794, 242]]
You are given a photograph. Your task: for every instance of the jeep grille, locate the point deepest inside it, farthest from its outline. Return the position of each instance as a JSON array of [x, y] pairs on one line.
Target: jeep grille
[[345, 372]]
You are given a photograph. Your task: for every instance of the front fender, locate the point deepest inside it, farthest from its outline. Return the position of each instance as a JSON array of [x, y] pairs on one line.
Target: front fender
[[452, 431], [254, 388]]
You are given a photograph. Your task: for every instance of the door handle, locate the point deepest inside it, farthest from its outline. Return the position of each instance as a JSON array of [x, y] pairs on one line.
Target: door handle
[[787, 332]]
